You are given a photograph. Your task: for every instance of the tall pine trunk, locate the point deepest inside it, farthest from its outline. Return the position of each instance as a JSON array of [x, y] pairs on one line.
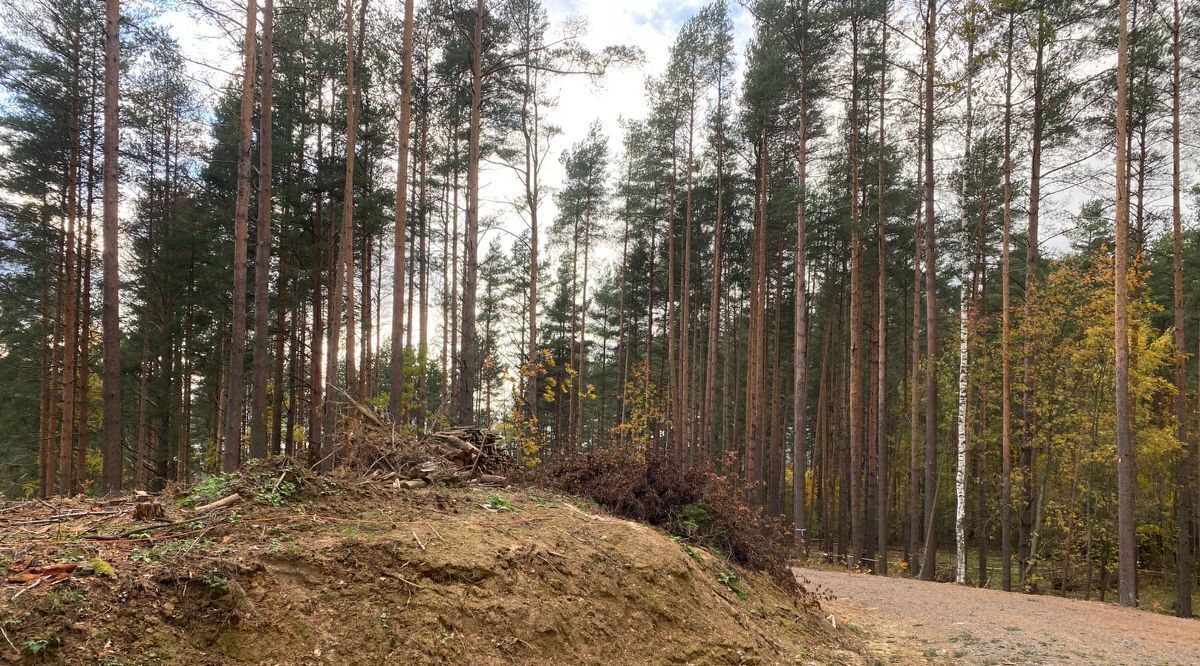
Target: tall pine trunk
[[855, 442], [929, 562], [881, 476], [1005, 331], [756, 353], [234, 392], [800, 316], [1029, 416], [914, 480], [341, 293], [396, 369], [708, 434], [464, 410], [262, 248], [111, 315], [70, 372], [1126, 478], [1184, 467]]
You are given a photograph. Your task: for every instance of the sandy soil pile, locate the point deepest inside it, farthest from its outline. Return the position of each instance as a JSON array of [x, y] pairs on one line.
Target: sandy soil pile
[[346, 570]]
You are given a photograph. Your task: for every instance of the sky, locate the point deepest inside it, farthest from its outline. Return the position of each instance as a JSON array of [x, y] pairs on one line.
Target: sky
[[650, 25], [214, 56], [619, 95]]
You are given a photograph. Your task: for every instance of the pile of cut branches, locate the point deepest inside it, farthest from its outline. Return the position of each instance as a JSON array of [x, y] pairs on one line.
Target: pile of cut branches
[[453, 456]]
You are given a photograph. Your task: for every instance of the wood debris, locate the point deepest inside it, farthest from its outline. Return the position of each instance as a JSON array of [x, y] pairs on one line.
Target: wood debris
[[221, 503], [455, 456]]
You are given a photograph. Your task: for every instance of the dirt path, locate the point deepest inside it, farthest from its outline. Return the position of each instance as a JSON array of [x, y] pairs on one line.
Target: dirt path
[[906, 621]]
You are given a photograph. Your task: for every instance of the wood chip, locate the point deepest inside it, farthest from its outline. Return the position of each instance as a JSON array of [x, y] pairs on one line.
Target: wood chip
[[34, 573]]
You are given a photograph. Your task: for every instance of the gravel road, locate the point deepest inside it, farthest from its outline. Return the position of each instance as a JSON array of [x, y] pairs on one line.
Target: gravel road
[[907, 621]]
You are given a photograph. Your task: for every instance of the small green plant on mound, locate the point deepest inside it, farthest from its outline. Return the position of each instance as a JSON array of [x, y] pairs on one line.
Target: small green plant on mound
[[210, 488], [277, 495], [39, 646], [498, 503], [687, 547], [271, 482], [273, 485], [216, 583], [653, 604], [62, 598], [731, 580], [695, 519], [169, 550]]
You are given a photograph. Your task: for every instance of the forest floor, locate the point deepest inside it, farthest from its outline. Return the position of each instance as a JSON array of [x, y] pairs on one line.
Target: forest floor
[[326, 570], [909, 621]]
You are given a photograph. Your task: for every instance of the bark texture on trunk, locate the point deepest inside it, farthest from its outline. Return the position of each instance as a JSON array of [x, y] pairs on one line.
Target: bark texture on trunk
[[928, 564], [111, 315], [232, 456], [1185, 478], [262, 248], [464, 411], [856, 441], [1005, 332], [1126, 478], [396, 368], [800, 329]]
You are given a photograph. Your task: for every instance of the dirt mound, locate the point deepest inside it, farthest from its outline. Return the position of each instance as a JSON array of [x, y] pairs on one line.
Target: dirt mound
[[328, 571]]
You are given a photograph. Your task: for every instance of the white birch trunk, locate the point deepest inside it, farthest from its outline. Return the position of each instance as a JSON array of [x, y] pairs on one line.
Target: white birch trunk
[[965, 293], [960, 475]]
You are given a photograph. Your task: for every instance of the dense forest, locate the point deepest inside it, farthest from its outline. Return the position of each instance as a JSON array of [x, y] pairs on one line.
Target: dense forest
[[911, 274]]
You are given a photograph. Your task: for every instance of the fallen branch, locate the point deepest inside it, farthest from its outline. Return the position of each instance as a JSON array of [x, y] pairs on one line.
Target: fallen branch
[[221, 503], [65, 516], [367, 413], [402, 579], [28, 588], [9, 640], [35, 573], [126, 535]]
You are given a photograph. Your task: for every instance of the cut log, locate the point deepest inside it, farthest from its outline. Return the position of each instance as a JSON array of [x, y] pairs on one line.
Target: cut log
[[223, 502], [425, 470]]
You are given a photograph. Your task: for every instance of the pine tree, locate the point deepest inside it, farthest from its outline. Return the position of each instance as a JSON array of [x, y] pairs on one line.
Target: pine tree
[[113, 451], [262, 247], [1127, 544], [232, 456]]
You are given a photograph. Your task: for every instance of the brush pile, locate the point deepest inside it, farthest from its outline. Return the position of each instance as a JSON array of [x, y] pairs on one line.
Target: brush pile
[[455, 456]]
